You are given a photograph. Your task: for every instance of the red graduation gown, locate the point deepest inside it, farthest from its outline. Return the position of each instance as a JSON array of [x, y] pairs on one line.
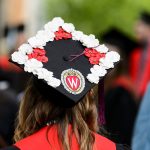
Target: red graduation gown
[[142, 80], [38, 141], [7, 66]]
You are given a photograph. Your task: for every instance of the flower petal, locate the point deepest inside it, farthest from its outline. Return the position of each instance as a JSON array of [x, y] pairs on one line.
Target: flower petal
[[19, 57], [77, 35], [93, 78], [112, 56], [25, 49], [32, 65], [102, 48], [68, 27]]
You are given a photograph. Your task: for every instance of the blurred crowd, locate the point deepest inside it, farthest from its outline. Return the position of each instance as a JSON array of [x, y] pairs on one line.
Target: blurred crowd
[[126, 90]]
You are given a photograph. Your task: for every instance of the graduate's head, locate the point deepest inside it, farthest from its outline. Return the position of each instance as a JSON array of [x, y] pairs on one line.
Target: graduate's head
[[120, 42], [142, 27], [65, 64], [37, 109]]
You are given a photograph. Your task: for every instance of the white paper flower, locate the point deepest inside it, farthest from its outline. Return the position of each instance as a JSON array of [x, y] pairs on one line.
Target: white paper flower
[[19, 57], [98, 70], [54, 82], [58, 20], [25, 49], [106, 63], [51, 27], [43, 73], [77, 35], [32, 65], [36, 42], [112, 56], [102, 48], [45, 36], [93, 78], [35, 67], [89, 41], [54, 25], [68, 27]]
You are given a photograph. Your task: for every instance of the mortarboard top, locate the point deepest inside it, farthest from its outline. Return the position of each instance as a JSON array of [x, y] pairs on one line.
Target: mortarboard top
[[67, 63]]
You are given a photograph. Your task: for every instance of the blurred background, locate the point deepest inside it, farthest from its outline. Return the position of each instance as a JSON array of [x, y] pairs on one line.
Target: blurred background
[[123, 25]]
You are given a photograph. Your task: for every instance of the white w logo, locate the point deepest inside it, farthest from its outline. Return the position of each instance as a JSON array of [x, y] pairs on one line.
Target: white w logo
[[73, 82]]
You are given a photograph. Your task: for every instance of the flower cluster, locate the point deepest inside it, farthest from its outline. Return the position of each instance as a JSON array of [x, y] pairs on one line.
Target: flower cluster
[[36, 67], [109, 60], [96, 72], [105, 63], [32, 55], [21, 55], [93, 55], [62, 34], [32, 65], [38, 54], [63, 30], [89, 41], [46, 75]]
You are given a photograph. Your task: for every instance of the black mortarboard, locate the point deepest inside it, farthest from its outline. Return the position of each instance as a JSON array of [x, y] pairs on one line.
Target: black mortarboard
[[68, 61], [120, 40], [145, 17]]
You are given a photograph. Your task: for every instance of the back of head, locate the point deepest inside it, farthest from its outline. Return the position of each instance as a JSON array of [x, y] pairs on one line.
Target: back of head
[[142, 28], [38, 108]]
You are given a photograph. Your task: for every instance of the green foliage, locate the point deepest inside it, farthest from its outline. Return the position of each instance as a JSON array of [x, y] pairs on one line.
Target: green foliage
[[97, 16]]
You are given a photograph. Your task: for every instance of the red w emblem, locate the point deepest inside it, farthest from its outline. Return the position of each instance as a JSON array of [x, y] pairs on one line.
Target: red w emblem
[[73, 82]]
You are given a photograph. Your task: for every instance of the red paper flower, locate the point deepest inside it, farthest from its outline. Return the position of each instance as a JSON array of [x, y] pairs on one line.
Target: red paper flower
[[42, 59], [102, 55], [39, 51], [94, 60], [61, 34], [89, 52], [93, 55], [38, 54]]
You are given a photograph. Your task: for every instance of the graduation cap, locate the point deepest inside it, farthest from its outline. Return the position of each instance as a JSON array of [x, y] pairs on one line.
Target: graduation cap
[[120, 40], [65, 63]]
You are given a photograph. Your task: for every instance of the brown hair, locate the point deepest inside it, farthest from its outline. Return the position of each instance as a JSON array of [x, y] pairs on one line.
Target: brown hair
[[36, 110]]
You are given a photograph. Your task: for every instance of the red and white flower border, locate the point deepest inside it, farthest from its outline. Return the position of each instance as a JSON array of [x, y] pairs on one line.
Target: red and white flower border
[[32, 54]]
